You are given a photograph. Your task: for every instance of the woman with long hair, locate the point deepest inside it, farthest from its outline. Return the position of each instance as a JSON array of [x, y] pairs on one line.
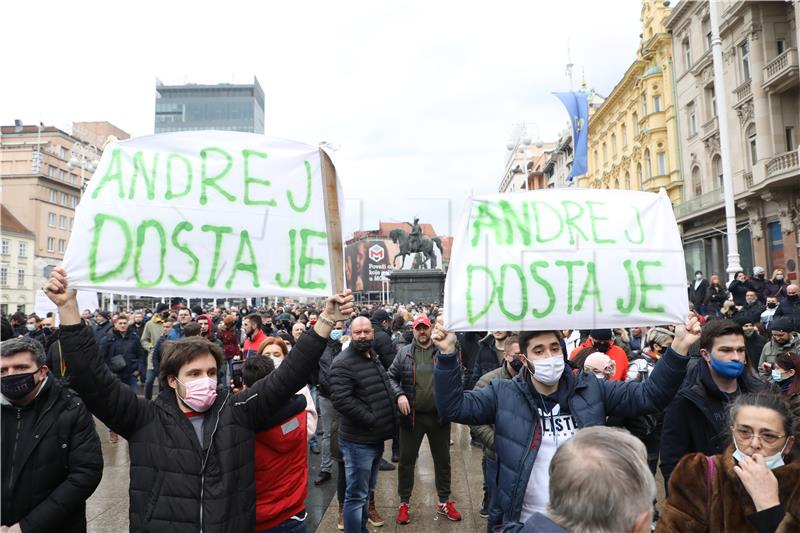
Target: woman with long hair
[[716, 296], [784, 373], [776, 286], [748, 487]]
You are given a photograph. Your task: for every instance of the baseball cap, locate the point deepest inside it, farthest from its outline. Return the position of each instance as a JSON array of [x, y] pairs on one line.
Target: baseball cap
[[421, 320]]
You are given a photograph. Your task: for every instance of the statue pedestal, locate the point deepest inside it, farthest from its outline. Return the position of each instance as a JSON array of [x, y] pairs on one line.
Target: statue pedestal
[[417, 286]]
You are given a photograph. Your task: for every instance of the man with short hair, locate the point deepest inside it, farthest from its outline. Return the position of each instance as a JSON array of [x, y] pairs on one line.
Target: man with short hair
[[361, 393], [18, 322], [769, 313], [153, 331], [752, 309], [698, 290], [544, 405], [298, 330], [102, 324], [184, 317], [696, 419], [254, 335], [489, 353], [191, 450], [51, 456], [137, 326], [123, 353], [783, 338], [790, 306], [411, 378], [585, 489]]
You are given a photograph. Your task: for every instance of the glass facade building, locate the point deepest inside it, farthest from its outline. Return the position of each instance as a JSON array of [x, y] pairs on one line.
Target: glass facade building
[[223, 106]]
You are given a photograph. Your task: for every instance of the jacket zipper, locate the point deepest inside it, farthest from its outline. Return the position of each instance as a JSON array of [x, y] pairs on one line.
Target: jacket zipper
[[527, 451], [14, 449], [205, 460]]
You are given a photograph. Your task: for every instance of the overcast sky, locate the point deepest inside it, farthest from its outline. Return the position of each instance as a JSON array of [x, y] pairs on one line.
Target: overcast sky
[[420, 96]]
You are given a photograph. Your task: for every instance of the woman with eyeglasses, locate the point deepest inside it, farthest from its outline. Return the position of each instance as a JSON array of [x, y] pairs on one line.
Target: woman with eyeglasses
[[748, 487]]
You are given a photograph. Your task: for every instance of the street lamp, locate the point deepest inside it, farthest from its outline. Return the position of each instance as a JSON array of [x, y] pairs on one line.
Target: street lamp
[[83, 156]]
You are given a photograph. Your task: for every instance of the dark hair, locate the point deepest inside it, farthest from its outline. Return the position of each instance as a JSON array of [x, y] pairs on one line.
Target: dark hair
[[256, 368], [790, 361], [192, 329], [526, 336], [255, 319], [398, 322], [23, 344], [776, 402], [19, 316], [718, 328], [178, 353]]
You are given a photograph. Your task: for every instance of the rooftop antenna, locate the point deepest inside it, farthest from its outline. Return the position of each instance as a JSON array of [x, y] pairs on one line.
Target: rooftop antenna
[[568, 70]]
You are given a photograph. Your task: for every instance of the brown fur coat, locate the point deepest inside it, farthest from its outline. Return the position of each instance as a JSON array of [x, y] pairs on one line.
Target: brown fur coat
[[687, 509]]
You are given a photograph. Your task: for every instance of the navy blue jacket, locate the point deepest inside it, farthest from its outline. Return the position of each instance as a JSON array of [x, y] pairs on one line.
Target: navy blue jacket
[[486, 359], [129, 346], [510, 406]]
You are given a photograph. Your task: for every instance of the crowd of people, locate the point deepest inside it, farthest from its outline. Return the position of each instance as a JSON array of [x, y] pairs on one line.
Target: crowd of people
[[574, 425]]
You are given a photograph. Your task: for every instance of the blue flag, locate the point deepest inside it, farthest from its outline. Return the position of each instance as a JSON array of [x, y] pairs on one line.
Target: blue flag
[[578, 109]]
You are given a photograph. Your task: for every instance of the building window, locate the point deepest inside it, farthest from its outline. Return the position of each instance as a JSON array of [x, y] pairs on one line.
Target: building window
[[716, 169], [3, 276], [744, 51], [750, 134], [73, 201], [64, 200], [596, 159], [62, 246], [71, 220], [624, 136], [661, 158], [628, 181], [635, 125], [73, 179], [790, 141], [605, 154], [656, 104], [692, 118], [51, 244], [62, 222], [21, 308], [644, 105], [697, 181], [614, 144], [51, 220], [648, 164], [53, 195], [21, 278], [780, 45], [708, 40], [4, 309], [23, 249], [4, 248], [687, 54], [711, 103], [62, 175], [51, 171], [616, 183], [639, 175]]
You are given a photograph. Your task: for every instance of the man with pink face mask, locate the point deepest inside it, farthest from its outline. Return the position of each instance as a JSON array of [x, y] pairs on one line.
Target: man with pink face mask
[[191, 449]]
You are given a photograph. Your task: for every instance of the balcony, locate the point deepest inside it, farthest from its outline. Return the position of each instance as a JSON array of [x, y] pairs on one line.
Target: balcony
[[710, 128], [782, 72], [783, 163], [698, 204], [743, 92]]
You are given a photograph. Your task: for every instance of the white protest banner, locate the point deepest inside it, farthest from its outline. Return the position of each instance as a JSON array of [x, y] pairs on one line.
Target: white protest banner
[[566, 259], [207, 213]]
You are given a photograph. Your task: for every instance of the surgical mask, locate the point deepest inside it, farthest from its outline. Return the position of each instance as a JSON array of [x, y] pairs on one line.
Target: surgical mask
[[200, 394], [599, 375], [361, 346], [18, 386], [748, 332], [777, 375], [336, 334], [698, 277], [30, 327], [779, 278], [727, 369], [772, 462], [548, 371]]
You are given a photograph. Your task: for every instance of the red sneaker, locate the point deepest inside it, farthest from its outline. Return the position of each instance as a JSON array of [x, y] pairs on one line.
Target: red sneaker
[[449, 510], [402, 514]]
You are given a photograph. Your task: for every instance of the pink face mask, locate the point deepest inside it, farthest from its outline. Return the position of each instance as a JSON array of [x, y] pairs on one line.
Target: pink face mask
[[200, 394]]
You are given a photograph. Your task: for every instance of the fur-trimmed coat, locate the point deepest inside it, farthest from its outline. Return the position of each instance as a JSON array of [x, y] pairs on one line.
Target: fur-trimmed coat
[[730, 508]]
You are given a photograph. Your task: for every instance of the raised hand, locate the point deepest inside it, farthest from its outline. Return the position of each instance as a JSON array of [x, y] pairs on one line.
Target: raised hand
[[444, 340], [686, 335], [57, 288]]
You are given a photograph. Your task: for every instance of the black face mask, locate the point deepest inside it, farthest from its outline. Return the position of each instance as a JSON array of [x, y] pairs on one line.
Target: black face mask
[[793, 297], [361, 346], [516, 364], [772, 305], [602, 346], [18, 385]]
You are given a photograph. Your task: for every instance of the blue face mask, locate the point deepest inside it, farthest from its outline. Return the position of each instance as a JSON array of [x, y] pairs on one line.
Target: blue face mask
[[336, 334], [726, 369]]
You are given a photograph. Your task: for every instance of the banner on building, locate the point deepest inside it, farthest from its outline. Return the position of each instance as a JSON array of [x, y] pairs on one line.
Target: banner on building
[[210, 213], [578, 109], [368, 262], [566, 259]]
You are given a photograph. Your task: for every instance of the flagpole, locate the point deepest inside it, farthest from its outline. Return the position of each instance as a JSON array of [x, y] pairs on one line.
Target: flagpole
[[734, 264]]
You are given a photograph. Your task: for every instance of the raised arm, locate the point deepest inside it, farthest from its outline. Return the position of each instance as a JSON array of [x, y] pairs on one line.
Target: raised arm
[[116, 405]]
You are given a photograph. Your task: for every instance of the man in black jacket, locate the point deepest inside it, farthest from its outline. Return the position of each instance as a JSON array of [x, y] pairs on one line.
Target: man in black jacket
[[102, 326], [790, 306], [696, 419], [361, 393], [698, 290], [51, 457], [751, 310], [385, 348], [326, 411], [123, 353], [191, 451]]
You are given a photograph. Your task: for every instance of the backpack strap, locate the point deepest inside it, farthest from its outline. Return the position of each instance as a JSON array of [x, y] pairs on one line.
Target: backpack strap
[[709, 474]]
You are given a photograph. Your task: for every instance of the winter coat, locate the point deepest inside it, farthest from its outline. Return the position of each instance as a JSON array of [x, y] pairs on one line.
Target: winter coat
[[758, 285], [616, 353], [177, 483], [773, 288], [469, 343], [403, 380], [485, 432], [333, 349], [751, 312], [251, 346], [753, 347], [790, 308], [138, 329], [738, 290], [697, 419], [486, 357], [772, 349], [153, 331], [230, 342], [101, 330], [128, 346], [361, 392], [52, 464], [698, 296], [690, 507], [382, 345], [715, 297], [510, 405]]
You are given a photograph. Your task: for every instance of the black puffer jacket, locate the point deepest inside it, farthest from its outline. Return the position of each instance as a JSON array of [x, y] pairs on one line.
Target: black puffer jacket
[[383, 346], [361, 392], [333, 349], [52, 462], [175, 483], [128, 346]]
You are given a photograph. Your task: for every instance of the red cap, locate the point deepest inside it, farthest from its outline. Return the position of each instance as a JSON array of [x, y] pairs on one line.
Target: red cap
[[421, 320]]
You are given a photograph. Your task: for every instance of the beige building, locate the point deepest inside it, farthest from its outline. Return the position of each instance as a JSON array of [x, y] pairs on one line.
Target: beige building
[[42, 173], [16, 265], [762, 86]]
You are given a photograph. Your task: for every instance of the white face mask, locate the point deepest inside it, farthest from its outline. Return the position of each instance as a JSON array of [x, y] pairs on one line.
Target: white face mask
[[772, 462], [548, 371]]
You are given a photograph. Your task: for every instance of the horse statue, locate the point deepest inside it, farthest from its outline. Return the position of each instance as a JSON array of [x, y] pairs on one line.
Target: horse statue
[[425, 247]]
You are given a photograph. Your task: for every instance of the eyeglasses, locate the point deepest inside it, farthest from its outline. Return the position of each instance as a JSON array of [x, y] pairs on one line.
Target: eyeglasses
[[767, 437]]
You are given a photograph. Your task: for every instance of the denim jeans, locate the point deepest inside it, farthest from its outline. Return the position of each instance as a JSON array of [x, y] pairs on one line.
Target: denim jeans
[[132, 382], [295, 524], [148, 383], [492, 505], [361, 462], [326, 413], [312, 389]]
